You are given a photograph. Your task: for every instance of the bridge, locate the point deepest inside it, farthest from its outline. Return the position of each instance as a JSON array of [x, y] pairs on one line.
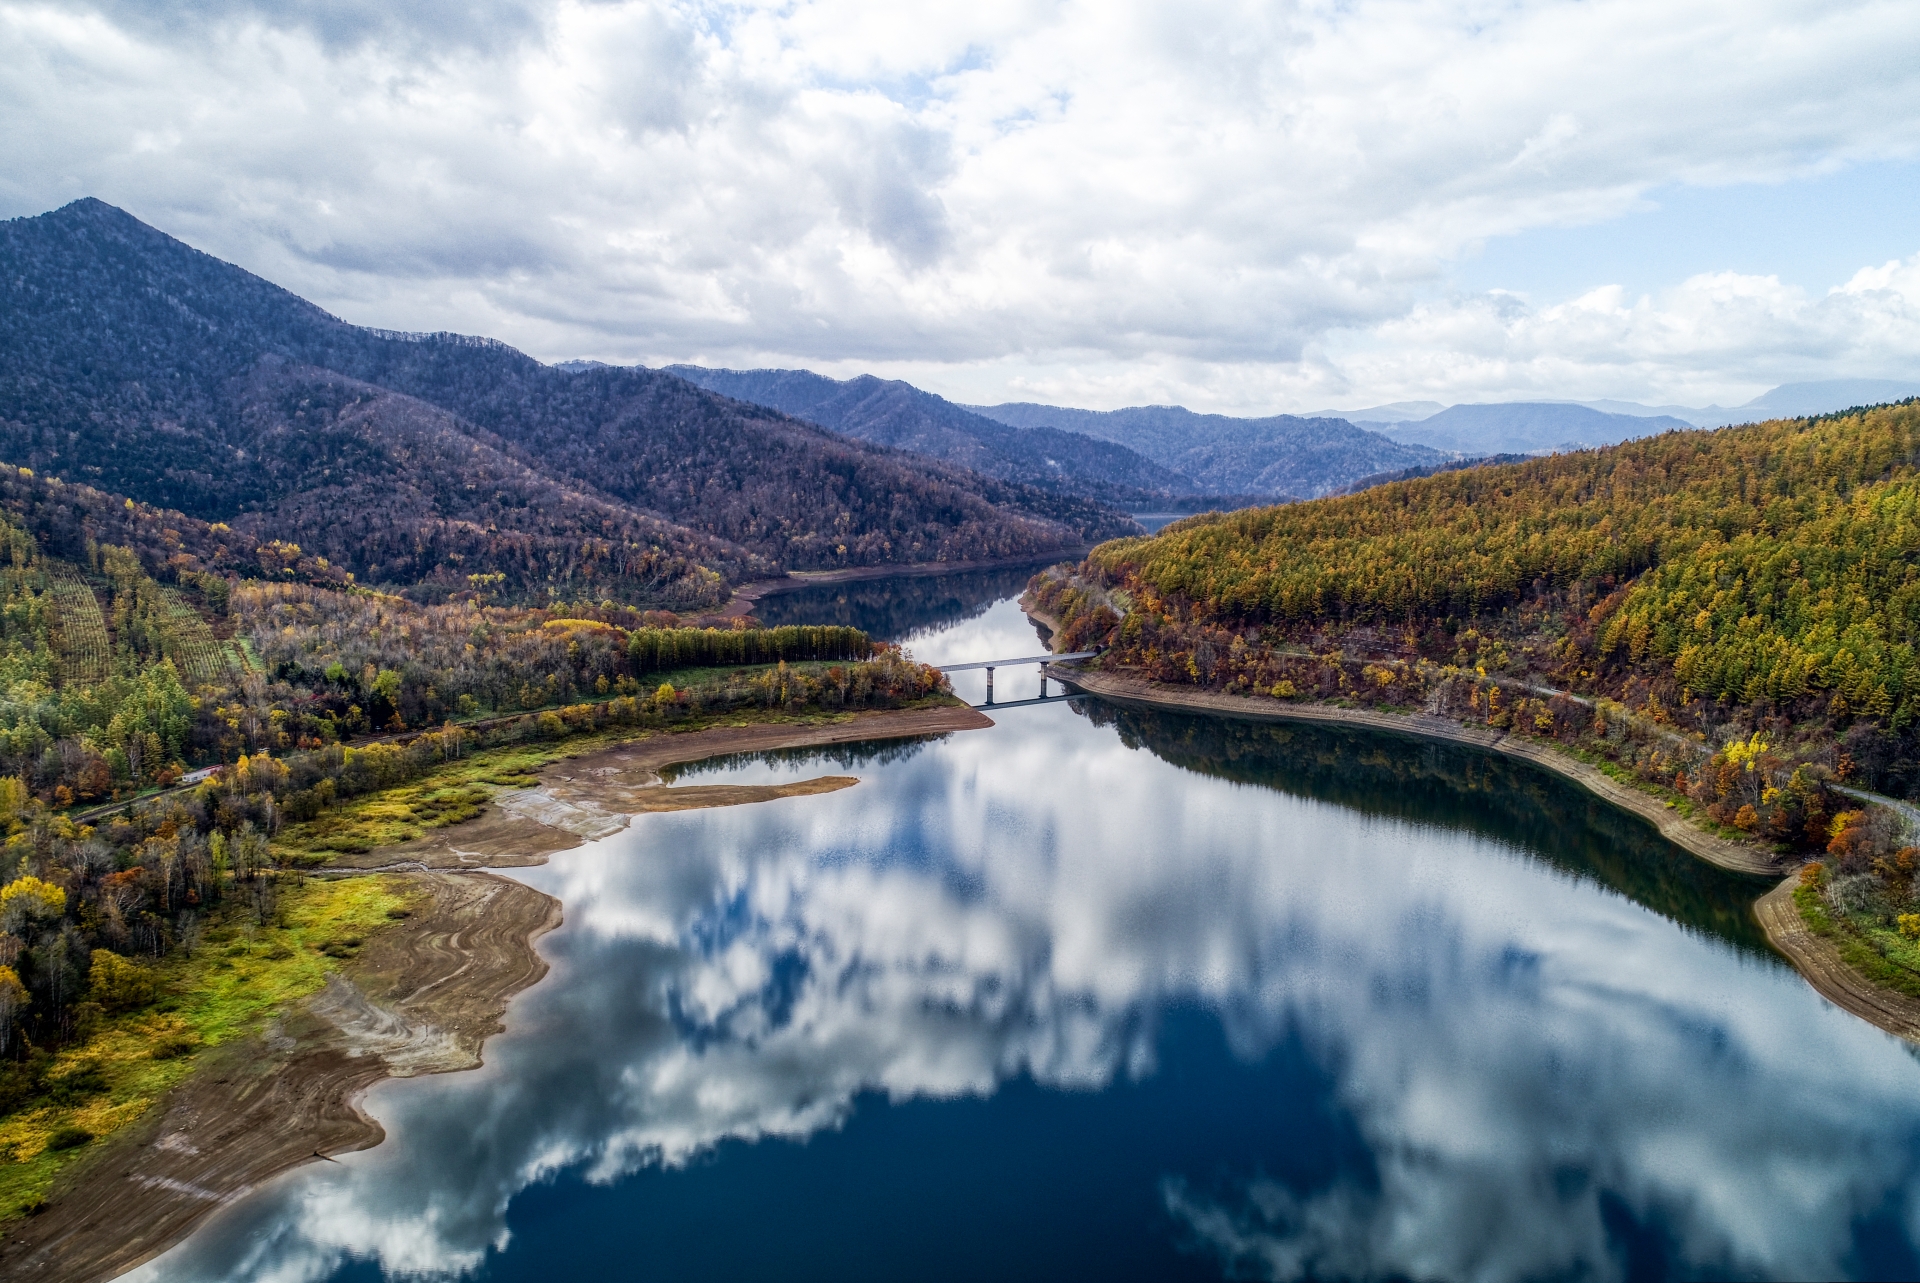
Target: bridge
[[1042, 660]]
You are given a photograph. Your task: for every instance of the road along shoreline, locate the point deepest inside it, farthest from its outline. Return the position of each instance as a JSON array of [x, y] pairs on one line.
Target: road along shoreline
[[421, 997], [1817, 961], [1736, 857]]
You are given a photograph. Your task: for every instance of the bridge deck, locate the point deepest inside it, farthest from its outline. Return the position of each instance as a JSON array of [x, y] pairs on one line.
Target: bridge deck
[[1009, 663]]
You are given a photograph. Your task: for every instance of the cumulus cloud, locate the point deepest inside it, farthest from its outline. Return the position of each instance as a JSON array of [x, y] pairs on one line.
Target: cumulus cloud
[[1240, 203]]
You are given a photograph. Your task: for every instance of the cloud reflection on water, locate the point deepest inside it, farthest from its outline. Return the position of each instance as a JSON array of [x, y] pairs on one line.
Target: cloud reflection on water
[[1540, 1068]]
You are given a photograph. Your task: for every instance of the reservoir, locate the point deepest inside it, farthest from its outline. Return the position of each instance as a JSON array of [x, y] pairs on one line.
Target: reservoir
[[1109, 994]]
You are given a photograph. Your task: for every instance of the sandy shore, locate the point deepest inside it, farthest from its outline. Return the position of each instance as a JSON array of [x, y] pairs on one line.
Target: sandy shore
[[1814, 958], [1821, 964], [1735, 856], [582, 799], [422, 997]]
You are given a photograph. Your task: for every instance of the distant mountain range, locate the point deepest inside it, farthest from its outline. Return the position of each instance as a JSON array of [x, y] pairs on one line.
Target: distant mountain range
[[891, 413], [1154, 457], [441, 463], [1531, 427], [1523, 427], [1283, 454], [1172, 459]]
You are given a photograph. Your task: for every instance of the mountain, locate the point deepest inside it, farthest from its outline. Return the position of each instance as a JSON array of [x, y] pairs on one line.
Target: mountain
[[892, 413], [141, 366], [1829, 396], [1524, 427], [1396, 412], [1279, 456]]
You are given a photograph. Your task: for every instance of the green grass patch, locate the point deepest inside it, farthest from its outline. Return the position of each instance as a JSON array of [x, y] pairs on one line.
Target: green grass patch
[[233, 985], [1880, 954], [459, 790]]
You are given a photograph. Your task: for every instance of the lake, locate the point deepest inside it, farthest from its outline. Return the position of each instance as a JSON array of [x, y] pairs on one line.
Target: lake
[[1101, 993]]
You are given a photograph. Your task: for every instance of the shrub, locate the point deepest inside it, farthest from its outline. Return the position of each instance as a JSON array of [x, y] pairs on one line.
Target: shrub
[[120, 985]]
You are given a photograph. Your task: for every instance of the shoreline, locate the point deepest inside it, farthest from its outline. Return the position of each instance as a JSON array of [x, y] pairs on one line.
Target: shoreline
[[1731, 856], [569, 807], [422, 997], [1817, 961], [750, 594], [1823, 968]]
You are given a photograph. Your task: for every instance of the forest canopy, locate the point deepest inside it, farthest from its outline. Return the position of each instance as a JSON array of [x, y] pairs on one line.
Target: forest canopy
[[1761, 562]]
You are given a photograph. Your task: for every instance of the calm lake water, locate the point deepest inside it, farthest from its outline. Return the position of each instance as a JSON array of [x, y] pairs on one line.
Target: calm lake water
[[1115, 995]]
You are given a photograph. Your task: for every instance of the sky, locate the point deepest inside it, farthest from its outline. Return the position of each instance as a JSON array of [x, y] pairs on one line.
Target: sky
[[1240, 207]]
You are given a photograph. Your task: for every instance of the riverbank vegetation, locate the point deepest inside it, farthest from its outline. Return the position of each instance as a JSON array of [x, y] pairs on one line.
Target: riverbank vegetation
[[1727, 619], [336, 719], [139, 1025]]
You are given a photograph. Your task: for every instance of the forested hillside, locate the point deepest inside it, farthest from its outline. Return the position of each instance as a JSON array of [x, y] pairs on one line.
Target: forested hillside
[[1713, 585], [892, 413], [1726, 619], [138, 643], [1279, 456], [139, 365]]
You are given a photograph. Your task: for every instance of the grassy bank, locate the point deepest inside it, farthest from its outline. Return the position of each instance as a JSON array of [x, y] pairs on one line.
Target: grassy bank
[[459, 789], [239, 977], [1880, 952]]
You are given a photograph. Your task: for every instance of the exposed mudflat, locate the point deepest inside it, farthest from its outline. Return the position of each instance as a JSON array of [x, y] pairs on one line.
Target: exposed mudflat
[[1831, 977], [421, 998], [583, 799]]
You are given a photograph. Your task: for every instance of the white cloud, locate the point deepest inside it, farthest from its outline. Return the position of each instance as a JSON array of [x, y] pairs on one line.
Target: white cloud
[[1242, 205]]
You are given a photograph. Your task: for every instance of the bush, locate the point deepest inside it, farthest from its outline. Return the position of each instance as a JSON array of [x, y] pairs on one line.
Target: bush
[[119, 985], [69, 1138]]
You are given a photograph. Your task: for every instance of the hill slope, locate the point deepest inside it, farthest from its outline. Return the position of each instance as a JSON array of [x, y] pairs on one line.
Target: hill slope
[[892, 413], [133, 362], [1728, 620], [1762, 578], [1281, 456]]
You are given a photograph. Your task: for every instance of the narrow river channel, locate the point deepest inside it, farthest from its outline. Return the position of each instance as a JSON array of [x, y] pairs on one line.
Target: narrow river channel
[[1103, 994]]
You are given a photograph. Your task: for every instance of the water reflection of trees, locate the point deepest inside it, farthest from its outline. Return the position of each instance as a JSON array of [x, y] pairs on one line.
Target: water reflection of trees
[[1456, 787], [890, 609], [868, 753]]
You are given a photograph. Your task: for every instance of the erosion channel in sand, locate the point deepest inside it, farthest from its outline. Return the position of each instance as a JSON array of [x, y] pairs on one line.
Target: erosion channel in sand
[[421, 997]]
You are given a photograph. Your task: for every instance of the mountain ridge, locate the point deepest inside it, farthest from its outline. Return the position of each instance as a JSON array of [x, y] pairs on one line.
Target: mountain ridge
[[1280, 455], [142, 366], [894, 413]]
